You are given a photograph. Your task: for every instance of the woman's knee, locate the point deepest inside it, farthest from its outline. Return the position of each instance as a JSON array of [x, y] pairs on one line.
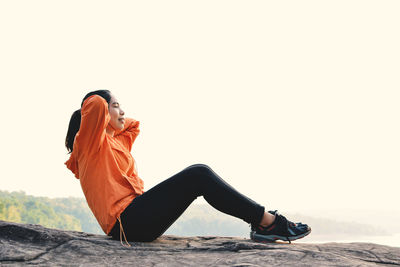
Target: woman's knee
[[198, 173], [199, 166]]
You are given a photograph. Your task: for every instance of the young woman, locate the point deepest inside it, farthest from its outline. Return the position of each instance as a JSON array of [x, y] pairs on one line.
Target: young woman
[[100, 139]]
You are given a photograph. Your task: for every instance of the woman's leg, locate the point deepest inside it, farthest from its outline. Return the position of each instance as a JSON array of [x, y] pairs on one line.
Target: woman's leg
[[152, 213]]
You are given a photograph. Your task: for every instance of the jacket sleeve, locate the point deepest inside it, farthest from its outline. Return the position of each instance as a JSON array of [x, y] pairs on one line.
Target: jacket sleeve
[[129, 133], [72, 164], [94, 121]]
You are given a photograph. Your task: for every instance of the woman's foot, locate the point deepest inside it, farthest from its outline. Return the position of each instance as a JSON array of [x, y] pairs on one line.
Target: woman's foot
[[280, 229]]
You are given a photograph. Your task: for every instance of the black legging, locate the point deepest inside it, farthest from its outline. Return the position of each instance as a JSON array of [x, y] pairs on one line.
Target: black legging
[[152, 213]]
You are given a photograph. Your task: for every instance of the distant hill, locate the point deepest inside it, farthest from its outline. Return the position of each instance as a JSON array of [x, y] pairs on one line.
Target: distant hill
[[61, 213], [205, 220], [74, 214]]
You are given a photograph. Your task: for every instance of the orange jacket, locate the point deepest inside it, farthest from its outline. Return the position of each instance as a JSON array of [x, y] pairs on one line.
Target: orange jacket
[[103, 164]]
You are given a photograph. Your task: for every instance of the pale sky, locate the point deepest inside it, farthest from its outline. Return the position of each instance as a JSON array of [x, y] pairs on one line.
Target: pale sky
[[294, 103]]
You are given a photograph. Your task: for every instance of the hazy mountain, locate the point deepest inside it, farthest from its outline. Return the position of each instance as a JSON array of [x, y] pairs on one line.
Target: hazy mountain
[[205, 220], [199, 219]]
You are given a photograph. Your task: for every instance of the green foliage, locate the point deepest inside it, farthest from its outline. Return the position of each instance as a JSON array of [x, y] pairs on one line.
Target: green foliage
[[62, 213]]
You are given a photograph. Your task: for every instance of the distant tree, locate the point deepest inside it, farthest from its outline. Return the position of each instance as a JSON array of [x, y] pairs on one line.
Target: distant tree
[[13, 214], [20, 208], [2, 210]]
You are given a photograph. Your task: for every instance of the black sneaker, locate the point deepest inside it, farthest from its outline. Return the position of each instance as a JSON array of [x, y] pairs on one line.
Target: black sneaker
[[280, 229]]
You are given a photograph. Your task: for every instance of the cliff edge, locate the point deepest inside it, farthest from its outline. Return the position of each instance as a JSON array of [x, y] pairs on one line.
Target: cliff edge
[[22, 244]]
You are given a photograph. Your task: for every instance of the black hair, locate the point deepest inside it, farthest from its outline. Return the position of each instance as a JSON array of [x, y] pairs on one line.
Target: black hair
[[75, 121]]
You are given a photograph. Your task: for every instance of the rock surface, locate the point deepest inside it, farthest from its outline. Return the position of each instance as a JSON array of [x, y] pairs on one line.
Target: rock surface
[[27, 244]]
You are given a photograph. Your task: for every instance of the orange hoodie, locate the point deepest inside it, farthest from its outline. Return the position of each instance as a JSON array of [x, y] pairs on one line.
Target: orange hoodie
[[103, 164]]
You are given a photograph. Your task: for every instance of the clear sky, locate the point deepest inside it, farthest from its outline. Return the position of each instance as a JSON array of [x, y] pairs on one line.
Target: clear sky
[[294, 103]]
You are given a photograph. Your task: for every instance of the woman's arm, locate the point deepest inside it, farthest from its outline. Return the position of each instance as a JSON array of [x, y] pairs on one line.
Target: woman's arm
[[95, 118], [129, 133]]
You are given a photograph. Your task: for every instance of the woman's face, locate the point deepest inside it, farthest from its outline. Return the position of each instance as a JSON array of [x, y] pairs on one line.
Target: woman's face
[[117, 120]]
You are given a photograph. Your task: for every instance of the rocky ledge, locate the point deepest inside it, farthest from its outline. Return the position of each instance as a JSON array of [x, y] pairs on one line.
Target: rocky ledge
[[27, 244]]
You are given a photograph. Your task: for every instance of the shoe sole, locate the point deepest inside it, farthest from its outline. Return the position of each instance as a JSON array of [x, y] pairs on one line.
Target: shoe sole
[[273, 238]]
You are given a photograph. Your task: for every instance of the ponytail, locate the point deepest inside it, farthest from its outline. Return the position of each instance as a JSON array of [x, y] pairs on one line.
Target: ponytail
[[73, 128], [75, 121]]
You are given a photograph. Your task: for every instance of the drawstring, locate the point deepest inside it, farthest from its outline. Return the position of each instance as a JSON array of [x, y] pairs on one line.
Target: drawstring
[[121, 231]]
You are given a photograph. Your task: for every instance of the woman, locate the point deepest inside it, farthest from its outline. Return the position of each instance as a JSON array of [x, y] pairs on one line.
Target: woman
[[100, 139]]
